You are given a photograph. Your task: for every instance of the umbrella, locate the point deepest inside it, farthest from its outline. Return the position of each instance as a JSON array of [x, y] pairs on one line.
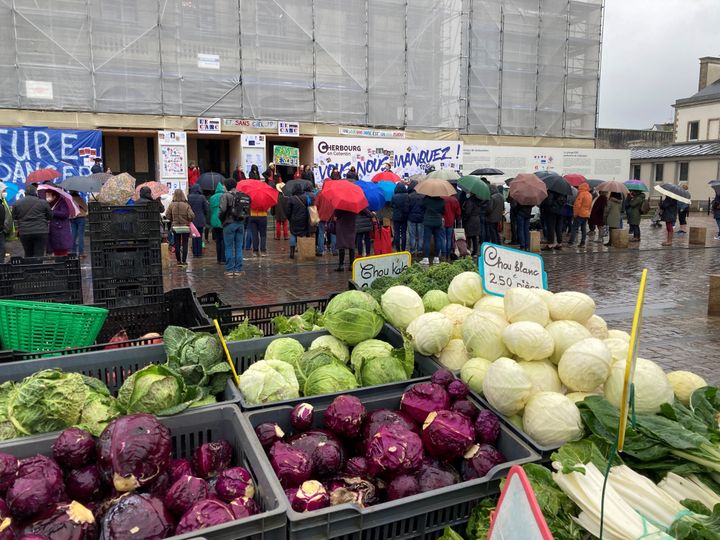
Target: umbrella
[[571, 198], [636, 185], [593, 183], [85, 184], [714, 183], [474, 185], [157, 190], [545, 174], [289, 188], [556, 183], [340, 195], [42, 175], [419, 177], [435, 187], [117, 190], [528, 189], [486, 171], [74, 210], [374, 195], [386, 176], [575, 179], [209, 181], [674, 192], [262, 196], [443, 174], [388, 189], [613, 186]]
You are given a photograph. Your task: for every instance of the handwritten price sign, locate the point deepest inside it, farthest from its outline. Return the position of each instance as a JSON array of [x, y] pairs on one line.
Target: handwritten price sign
[[368, 269], [503, 268]]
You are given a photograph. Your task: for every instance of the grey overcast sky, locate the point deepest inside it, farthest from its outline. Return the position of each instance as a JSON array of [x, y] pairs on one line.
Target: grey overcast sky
[[650, 57]]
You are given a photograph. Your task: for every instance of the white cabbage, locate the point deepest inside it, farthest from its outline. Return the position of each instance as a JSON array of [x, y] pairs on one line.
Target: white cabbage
[[401, 306], [684, 383], [473, 373], [454, 355], [597, 326], [482, 334], [585, 365], [492, 303], [619, 334], [528, 340], [618, 348], [465, 289], [457, 313], [506, 387], [543, 375], [564, 334], [525, 305], [430, 333], [435, 300], [545, 295], [551, 419], [652, 387], [571, 306]]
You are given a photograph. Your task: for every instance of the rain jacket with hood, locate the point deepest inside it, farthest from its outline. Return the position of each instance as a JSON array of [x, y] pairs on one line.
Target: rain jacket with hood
[[494, 213], [215, 222], [401, 202], [634, 205], [32, 215], [199, 205], [472, 212], [452, 211], [145, 196], [296, 207], [612, 212], [669, 210], [597, 214], [60, 234], [583, 202]]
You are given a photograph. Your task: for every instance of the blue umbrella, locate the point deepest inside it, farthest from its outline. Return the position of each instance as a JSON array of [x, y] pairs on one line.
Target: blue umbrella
[[374, 195], [388, 189]]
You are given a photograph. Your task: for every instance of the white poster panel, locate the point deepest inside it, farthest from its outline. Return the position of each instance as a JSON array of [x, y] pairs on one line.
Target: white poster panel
[[368, 156], [512, 160], [173, 159], [253, 156]]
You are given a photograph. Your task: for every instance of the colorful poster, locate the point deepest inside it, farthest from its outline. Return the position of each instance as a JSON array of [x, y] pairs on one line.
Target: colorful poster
[[173, 155], [208, 125], [289, 129], [253, 156], [23, 150], [369, 156], [286, 155]]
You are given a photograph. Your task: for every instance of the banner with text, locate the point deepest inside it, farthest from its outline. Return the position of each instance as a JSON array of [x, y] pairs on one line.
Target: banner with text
[[369, 155], [23, 150], [286, 155], [512, 160]]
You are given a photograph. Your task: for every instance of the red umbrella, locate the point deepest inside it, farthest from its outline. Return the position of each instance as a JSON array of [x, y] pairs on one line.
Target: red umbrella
[[262, 196], [73, 208], [575, 179], [42, 175], [386, 175], [340, 195]]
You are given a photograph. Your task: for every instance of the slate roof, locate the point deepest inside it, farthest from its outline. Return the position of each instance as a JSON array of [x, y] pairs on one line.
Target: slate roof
[[710, 93], [679, 150]]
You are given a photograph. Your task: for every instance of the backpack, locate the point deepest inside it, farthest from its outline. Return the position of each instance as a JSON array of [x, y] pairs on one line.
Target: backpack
[[240, 209], [645, 206]]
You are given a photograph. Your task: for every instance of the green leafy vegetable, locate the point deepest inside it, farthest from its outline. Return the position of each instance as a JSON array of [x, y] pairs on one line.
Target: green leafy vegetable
[[328, 379], [244, 331], [269, 380], [310, 320], [154, 389], [478, 525], [449, 534], [697, 527]]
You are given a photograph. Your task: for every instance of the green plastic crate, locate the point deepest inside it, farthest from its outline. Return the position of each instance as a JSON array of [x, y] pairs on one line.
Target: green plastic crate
[[43, 326]]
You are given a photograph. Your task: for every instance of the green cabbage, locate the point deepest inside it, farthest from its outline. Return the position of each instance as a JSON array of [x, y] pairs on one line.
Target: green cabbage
[[311, 360], [382, 370], [329, 379], [337, 347], [369, 348], [155, 389], [353, 316], [286, 349], [435, 300], [7, 429], [269, 380]]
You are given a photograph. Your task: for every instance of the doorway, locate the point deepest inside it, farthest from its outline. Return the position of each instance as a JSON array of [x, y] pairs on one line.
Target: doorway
[[213, 155]]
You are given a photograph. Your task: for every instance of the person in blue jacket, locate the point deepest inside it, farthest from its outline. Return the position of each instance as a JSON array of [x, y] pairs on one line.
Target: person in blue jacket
[[400, 212]]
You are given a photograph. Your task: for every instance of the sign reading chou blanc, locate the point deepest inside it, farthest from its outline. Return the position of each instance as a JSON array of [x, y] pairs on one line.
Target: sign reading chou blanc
[[503, 268], [365, 270]]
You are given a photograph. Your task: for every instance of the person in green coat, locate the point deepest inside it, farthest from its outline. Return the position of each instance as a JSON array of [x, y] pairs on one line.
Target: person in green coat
[[612, 214], [634, 213], [216, 223]]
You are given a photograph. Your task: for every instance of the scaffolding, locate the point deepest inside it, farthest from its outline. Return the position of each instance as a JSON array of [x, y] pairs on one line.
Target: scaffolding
[[495, 67]]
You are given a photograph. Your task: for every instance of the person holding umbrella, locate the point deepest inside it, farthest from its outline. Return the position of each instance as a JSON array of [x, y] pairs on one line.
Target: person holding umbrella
[[200, 207], [433, 227], [181, 216], [296, 210], [683, 211], [60, 238], [553, 208], [597, 214], [77, 225], [32, 216], [216, 223], [400, 212], [634, 213], [581, 213], [472, 212], [716, 212], [612, 216], [345, 232], [6, 221], [494, 215], [668, 214]]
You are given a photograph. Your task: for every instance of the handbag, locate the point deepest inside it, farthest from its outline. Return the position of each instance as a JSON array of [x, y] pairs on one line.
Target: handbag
[[194, 232], [306, 248], [181, 229]]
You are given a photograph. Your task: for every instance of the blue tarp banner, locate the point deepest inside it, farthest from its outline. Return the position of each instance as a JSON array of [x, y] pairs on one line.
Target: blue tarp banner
[[23, 150]]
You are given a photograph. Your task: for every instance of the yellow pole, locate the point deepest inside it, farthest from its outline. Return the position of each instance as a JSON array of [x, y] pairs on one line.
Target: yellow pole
[[227, 352]]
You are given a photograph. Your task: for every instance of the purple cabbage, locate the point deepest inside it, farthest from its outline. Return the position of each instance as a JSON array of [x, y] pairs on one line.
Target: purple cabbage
[[384, 417], [443, 377], [233, 483], [394, 449], [202, 514], [8, 471], [479, 460], [29, 496], [353, 490], [291, 465], [243, 507], [447, 434], [179, 468], [211, 458], [184, 493], [31, 537], [137, 516], [356, 466], [132, 451], [160, 485], [324, 448], [435, 474], [457, 390], [301, 417], [423, 398], [487, 427], [403, 485], [84, 484], [291, 493], [466, 407], [311, 495], [66, 522], [74, 448], [345, 416], [269, 434], [7, 532]]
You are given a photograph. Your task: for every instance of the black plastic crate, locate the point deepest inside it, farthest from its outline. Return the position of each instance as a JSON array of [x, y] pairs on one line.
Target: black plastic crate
[[124, 222], [50, 279], [115, 293], [125, 261], [215, 308], [136, 321]]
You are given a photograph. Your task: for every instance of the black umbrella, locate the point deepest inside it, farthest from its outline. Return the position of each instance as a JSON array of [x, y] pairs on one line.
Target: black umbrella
[[593, 183], [85, 184], [290, 186], [556, 183], [209, 181], [487, 171], [674, 192]]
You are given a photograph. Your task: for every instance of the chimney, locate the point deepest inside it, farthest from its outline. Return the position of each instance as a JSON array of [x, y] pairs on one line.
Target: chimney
[[709, 71]]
